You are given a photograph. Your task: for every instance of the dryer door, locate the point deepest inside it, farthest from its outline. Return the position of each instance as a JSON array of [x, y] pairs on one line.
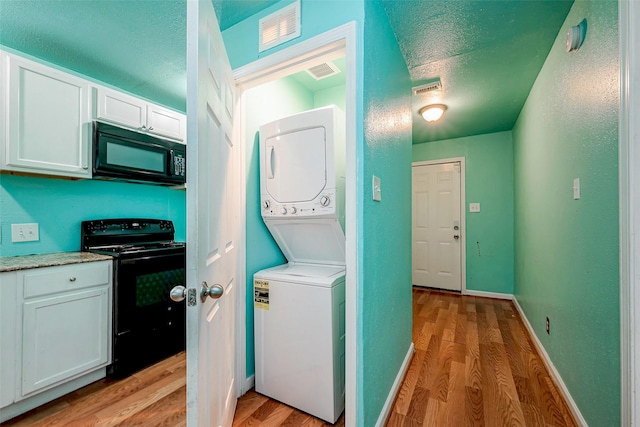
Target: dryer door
[[294, 165]]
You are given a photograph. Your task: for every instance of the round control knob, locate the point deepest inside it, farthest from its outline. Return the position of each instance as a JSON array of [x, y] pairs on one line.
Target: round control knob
[[294, 209], [284, 211], [266, 204], [325, 200]]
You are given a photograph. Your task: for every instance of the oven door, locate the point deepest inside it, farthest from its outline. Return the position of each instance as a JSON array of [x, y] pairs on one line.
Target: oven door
[[148, 325]]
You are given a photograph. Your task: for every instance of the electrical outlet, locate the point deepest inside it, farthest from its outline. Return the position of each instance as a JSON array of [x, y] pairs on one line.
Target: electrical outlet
[[548, 326], [24, 232]]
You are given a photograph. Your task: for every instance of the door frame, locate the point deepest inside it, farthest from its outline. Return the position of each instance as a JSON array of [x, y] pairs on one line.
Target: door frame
[[338, 41], [629, 192], [463, 215]]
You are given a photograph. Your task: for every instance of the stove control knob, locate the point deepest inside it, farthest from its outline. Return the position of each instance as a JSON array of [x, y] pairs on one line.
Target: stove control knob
[[284, 211], [294, 210], [325, 200], [266, 204]]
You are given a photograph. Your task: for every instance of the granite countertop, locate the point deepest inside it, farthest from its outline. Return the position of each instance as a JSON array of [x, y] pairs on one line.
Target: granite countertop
[[48, 260]]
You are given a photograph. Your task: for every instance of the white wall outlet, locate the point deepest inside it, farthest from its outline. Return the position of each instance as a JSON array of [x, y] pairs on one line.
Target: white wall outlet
[[24, 232], [474, 207], [377, 191], [576, 189]]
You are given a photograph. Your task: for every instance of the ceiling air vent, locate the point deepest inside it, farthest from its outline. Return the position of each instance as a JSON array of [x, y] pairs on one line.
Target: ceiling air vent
[[279, 27], [324, 70], [428, 87]]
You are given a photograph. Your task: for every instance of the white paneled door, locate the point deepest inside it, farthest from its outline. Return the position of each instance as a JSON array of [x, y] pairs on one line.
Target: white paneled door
[[436, 226], [212, 222]]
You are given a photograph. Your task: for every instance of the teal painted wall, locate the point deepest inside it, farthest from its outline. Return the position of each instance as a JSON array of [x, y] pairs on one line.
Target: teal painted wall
[[384, 228], [284, 98], [334, 95], [59, 205], [489, 181], [567, 250], [317, 17]]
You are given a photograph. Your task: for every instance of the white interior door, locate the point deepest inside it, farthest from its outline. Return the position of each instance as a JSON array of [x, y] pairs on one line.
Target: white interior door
[[212, 221], [436, 242]]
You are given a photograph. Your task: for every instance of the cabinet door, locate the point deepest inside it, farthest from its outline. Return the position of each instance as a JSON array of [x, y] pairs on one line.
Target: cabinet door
[[120, 109], [164, 122], [48, 120], [63, 336], [8, 319]]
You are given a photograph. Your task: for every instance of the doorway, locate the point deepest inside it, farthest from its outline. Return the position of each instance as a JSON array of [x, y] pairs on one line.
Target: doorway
[[438, 226], [329, 46]]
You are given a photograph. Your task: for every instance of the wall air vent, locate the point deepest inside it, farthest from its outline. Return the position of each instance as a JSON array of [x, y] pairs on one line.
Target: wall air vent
[[322, 71], [428, 87], [279, 27]]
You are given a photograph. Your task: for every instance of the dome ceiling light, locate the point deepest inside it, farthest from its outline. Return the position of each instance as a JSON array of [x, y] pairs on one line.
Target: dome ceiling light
[[433, 112]]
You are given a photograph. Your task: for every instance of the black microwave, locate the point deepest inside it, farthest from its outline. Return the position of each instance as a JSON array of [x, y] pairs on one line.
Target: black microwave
[[127, 155]]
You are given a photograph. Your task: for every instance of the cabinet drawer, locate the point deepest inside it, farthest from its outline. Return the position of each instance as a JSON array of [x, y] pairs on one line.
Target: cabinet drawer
[[50, 280]]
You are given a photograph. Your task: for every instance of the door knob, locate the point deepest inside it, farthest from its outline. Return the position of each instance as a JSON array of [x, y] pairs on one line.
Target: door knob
[[456, 236], [178, 293], [215, 291]]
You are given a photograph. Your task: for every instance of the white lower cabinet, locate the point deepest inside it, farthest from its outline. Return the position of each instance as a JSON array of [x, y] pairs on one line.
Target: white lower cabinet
[[61, 331]]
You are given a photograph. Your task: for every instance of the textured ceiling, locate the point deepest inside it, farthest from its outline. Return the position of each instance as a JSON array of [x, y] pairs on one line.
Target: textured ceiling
[[487, 53]]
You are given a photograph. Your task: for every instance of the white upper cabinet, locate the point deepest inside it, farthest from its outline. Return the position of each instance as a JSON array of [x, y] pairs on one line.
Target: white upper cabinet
[[134, 113], [46, 117]]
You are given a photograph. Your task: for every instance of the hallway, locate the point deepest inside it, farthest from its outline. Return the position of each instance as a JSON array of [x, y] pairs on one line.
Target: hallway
[[474, 365]]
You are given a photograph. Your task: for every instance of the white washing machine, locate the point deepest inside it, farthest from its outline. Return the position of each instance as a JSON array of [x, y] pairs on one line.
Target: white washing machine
[[299, 307], [299, 337]]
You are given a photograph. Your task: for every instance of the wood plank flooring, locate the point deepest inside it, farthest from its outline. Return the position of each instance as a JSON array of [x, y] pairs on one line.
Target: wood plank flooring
[[474, 366]]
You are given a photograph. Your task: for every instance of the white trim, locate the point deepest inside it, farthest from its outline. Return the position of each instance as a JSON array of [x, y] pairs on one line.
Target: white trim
[[463, 213], [241, 293], [555, 376], [338, 41], [384, 414], [249, 383], [629, 194], [484, 294]]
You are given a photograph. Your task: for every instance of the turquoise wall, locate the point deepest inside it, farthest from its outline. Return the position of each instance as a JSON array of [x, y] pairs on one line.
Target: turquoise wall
[[567, 250], [384, 228], [489, 181], [317, 17], [59, 205]]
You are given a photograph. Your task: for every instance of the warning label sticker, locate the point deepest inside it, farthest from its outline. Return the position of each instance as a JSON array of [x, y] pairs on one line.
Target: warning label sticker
[[261, 294]]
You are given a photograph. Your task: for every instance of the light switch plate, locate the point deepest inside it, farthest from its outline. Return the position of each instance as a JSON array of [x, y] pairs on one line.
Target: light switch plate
[[474, 207], [576, 189], [27, 232], [377, 191]]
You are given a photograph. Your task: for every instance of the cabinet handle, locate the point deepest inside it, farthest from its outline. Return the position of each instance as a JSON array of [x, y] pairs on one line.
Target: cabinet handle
[[72, 279], [150, 127], [143, 127]]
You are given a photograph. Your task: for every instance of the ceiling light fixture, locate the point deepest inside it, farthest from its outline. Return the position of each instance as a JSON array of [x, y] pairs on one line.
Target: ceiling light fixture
[[433, 112]]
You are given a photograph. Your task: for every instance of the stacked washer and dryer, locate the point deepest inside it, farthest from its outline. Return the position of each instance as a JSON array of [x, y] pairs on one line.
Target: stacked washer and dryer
[[299, 306]]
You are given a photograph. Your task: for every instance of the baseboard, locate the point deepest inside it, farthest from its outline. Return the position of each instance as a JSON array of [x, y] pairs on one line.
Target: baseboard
[[485, 294], [555, 375], [394, 389], [249, 383]]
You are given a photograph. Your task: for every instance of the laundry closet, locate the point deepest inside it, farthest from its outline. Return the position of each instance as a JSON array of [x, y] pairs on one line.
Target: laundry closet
[[295, 238]]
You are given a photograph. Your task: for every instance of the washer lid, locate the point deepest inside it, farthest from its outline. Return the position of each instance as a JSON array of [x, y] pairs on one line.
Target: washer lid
[[305, 274], [310, 241]]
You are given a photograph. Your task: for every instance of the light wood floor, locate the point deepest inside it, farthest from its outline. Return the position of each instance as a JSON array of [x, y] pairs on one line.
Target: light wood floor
[[474, 365]]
